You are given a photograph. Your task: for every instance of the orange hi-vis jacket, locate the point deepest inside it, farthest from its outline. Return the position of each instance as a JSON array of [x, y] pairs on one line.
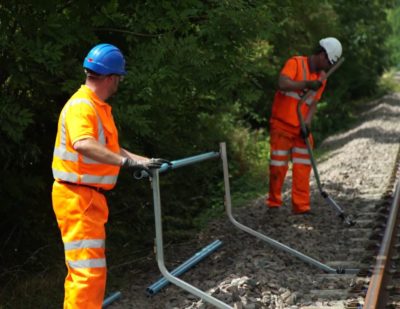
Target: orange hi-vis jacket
[[85, 116], [284, 107]]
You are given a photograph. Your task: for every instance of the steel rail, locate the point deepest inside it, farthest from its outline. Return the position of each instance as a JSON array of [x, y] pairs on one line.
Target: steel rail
[[376, 295]]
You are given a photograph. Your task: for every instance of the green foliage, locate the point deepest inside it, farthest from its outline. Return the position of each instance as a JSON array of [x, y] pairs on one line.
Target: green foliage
[[199, 72], [248, 171], [393, 42], [364, 45], [389, 81]]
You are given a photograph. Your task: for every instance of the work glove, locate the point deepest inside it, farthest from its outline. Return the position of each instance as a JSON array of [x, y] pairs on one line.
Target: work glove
[[134, 166], [313, 84], [305, 132], [155, 163]]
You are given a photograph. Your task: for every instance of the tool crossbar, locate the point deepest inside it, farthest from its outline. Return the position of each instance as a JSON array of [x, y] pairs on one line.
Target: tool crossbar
[[183, 162], [272, 242], [188, 264], [155, 183]]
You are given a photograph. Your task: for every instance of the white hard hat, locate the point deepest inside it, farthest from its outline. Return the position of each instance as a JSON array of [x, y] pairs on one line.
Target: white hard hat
[[332, 47]]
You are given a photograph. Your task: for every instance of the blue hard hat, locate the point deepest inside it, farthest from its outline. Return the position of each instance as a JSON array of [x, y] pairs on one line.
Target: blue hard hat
[[105, 59]]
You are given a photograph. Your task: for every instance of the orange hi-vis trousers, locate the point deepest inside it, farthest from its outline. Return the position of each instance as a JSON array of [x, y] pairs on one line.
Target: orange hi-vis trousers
[[81, 214], [286, 146]]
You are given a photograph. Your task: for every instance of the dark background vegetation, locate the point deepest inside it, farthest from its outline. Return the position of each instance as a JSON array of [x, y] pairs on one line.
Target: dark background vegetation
[[199, 72]]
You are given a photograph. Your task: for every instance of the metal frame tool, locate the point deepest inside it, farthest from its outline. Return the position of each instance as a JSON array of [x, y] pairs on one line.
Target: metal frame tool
[[341, 214]]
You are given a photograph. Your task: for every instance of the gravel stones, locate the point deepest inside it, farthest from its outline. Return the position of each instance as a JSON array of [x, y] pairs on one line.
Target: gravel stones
[[247, 273]]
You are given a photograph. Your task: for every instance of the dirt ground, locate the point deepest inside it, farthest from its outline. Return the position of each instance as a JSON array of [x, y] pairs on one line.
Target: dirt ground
[[249, 273]]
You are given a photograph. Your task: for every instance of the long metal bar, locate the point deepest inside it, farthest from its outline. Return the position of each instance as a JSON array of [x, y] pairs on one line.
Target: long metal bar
[[373, 299], [307, 141], [345, 218], [181, 163], [185, 266], [113, 297], [160, 251], [323, 193], [165, 167], [272, 242]]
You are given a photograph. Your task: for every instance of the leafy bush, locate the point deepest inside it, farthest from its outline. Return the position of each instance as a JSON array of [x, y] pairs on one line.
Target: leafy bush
[[200, 72]]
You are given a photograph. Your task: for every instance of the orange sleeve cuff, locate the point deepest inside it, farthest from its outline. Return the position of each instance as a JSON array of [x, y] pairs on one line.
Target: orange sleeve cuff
[[79, 138]]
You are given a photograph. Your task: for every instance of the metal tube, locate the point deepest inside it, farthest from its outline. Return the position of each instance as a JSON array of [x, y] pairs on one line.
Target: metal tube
[[272, 242], [195, 259], [334, 204], [312, 160], [302, 125], [347, 219], [182, 162], [111, 298], [189, 160], [160, 250]]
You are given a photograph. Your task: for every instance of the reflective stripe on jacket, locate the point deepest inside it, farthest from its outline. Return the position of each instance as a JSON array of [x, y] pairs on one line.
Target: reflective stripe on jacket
[[284, 108], [68, 165]]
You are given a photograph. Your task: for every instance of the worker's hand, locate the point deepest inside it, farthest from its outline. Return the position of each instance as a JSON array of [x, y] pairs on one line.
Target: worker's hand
[[313, 84], [305, 132], [134, 166], [156, 163]]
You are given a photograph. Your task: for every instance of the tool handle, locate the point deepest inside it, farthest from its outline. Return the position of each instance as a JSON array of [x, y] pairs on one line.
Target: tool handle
[[302, 123], [334, 68], [329, 73]]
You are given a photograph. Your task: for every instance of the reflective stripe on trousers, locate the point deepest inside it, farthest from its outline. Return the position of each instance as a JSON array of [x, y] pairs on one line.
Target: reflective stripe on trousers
[[82, 245], [285, 147]]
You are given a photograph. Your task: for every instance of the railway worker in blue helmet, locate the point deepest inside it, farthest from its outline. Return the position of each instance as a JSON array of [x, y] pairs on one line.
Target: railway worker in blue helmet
[[86, 163]]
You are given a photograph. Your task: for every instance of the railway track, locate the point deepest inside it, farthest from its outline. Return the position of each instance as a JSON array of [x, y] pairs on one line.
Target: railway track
[[247, 273], [384, 275], [375, 252], [377, 284]]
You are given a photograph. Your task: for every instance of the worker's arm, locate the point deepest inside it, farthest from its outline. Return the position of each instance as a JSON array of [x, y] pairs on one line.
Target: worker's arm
[[125, 153], [287, 84], [92, 149]]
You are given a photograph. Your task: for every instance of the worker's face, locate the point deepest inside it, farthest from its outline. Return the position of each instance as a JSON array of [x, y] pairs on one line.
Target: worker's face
[[325, 64]]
